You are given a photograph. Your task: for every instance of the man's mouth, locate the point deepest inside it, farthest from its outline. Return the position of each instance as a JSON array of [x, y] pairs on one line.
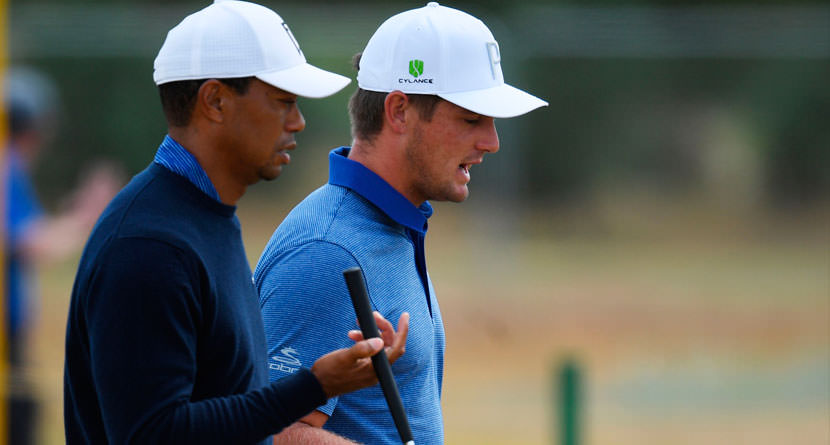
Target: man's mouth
[[282, 152]]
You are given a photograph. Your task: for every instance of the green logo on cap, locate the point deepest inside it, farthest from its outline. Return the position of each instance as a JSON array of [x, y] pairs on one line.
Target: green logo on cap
[[416, 67]]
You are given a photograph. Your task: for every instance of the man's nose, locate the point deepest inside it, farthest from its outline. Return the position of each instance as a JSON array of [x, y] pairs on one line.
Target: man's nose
[[295, 121], [489, 141]]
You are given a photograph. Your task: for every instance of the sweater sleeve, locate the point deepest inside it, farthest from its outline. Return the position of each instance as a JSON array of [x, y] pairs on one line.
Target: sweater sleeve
[[143, 318]]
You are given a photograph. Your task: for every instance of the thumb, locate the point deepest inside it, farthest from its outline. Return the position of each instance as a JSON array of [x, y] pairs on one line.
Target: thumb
[[367, 348]]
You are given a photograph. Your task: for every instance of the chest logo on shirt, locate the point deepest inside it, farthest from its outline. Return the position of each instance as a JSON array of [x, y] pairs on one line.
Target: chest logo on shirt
[[285, 361]]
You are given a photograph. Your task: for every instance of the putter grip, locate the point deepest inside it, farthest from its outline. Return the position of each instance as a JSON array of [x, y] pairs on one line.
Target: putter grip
[[363, 309]]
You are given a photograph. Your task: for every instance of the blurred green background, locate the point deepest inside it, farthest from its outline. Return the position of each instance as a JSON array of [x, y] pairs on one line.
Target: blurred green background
[[664, 222]]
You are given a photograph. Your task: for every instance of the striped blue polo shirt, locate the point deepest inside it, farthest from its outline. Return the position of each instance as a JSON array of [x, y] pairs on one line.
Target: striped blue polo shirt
[[357, 219], [178, 160]]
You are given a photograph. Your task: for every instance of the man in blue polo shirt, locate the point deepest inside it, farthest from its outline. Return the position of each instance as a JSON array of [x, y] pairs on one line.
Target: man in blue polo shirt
[[421, 118]]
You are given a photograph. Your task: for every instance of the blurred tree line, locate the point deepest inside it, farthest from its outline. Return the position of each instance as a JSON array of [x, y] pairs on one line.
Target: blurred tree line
[[729, 97]]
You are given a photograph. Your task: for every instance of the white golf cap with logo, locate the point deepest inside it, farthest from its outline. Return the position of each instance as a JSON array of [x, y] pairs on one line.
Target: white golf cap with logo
[[231, 39], [445, 52]]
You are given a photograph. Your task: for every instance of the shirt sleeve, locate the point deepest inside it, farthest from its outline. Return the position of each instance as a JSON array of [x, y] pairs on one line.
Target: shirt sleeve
[[143, 318], [306, 307]]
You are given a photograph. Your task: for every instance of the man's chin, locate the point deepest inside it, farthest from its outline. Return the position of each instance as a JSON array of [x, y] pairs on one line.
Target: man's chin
[[460, 199], [462, 194], [456, 196], [270, 173]]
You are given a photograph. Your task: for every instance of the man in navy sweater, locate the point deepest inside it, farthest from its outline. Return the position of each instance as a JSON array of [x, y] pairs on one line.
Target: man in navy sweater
[[165, 341]]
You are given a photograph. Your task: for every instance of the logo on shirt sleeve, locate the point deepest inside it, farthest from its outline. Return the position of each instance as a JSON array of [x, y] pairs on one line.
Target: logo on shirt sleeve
[[285, 361]]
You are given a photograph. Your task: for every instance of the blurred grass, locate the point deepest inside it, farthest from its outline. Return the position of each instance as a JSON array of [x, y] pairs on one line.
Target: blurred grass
[[693, 325]]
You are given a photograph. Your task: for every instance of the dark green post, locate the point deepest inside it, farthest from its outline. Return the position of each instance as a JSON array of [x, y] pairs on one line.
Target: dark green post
[[569, 382]]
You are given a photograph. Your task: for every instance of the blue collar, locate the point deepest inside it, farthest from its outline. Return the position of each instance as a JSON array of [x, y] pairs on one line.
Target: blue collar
[[180, 161], [366, 183]]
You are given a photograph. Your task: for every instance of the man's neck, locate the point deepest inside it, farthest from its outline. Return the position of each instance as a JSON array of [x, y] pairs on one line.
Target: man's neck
[[208, 155], [388, 162]]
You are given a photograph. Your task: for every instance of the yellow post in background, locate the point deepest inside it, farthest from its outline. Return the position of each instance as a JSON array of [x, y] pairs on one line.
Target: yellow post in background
[[4, 363]]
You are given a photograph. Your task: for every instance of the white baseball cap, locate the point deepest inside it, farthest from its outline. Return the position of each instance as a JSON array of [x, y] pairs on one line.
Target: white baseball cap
[[445, 52], [240, 39]]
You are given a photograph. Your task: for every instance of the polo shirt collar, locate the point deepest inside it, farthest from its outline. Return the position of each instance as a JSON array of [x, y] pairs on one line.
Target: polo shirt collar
[[177, 159], [366, 183]]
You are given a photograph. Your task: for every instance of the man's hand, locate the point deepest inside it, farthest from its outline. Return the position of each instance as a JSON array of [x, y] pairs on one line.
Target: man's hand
[[395, 344], [346, 370]]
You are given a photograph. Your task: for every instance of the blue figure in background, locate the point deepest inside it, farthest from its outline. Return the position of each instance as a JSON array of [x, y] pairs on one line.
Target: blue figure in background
[[32, 236]]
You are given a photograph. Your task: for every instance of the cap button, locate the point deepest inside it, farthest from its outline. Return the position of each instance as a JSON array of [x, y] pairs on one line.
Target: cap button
[[433, 4]]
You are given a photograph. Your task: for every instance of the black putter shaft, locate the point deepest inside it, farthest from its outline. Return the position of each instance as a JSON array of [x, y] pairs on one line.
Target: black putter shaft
[[363, 309]]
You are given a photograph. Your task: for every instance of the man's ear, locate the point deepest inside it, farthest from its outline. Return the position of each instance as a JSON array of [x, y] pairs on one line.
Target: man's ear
[[395, 111], [213, 100]]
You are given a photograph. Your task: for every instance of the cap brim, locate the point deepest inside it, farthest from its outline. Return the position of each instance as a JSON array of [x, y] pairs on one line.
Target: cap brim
[[306, 80], [500, 102]]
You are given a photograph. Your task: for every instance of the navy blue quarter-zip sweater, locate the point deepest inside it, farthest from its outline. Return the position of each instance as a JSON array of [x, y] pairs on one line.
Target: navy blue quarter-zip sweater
[[164, 340]]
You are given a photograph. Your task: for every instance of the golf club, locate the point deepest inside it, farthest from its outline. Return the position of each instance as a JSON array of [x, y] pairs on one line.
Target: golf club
[[363, 309]]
